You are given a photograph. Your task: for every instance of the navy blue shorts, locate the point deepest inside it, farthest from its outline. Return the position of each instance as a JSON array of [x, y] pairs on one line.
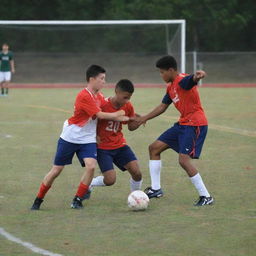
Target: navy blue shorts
[[66, 150], [185, 139], [120, 157]]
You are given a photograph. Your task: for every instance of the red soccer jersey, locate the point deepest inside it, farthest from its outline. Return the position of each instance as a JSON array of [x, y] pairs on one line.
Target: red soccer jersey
[[187, 103], [110, 132], [86, 106]]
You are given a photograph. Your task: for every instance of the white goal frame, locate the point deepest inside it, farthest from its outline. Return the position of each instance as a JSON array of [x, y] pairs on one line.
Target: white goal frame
[[114, 22]]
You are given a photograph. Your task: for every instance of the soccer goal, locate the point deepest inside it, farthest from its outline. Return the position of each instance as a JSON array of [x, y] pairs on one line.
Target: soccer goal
[[59, 51]]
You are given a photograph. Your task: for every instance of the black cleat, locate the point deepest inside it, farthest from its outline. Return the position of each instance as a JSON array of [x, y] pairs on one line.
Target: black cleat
[[77, 203], [203, 200], [36, 204], [153, 193]]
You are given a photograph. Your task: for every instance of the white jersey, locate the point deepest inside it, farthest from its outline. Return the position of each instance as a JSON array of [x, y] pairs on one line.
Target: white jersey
[[80, 135]]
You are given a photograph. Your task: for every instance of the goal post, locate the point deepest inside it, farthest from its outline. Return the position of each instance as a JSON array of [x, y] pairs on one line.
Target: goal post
[[107, 38]]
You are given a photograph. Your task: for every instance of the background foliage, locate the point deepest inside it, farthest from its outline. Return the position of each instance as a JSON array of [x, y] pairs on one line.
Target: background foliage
[[212, 25]]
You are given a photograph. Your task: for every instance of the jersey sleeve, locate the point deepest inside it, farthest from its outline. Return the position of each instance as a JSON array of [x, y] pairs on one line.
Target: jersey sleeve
[[187, 82], [166, 99], [88, 104]]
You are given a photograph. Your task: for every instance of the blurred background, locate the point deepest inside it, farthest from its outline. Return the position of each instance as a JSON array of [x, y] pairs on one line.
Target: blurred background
[[220, 38]]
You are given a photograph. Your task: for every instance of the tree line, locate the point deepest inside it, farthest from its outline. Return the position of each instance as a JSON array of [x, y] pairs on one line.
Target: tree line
[[212, 25]]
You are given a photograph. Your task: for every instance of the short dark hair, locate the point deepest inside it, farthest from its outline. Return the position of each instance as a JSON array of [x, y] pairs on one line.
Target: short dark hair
[[93, 71], [167, 62], [125, 85]]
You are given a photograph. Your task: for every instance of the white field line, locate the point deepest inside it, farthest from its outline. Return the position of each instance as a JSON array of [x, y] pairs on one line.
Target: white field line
[[211, 126], [27, 244]]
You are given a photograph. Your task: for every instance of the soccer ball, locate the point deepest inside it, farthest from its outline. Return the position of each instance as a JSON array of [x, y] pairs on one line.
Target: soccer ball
[[138, 201]]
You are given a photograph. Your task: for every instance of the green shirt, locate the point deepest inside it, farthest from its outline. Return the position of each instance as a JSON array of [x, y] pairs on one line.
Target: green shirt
[[5, 61]]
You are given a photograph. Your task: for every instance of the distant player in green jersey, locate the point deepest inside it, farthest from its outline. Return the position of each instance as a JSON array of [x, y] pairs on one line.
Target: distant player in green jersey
[[6, 68]]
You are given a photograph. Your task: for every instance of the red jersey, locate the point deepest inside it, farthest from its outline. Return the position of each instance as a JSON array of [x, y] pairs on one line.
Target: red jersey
[[86, 106], [110, 132], [187, 102]]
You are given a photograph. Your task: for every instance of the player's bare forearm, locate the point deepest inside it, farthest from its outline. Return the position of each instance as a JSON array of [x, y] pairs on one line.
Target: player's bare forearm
[[12, 66], [155, 112], [112, 116], [200, 74]]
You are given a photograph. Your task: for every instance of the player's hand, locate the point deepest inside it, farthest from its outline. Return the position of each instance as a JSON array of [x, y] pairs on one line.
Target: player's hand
[[120, 113], [122, 118], [140, 120], [199, 75]]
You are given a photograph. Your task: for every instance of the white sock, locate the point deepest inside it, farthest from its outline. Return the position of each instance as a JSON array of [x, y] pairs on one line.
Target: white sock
[[199, 185], [155, 171], [135, 185], [97, 181]]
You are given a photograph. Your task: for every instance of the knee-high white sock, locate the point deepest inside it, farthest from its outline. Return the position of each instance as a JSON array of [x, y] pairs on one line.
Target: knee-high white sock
[[135, 185], [97, 181], [155, 173], [199, 185]]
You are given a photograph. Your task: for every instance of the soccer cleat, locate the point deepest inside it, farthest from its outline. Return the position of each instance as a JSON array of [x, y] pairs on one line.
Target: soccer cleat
[[87, 195], [77, 203], [203, 200], [36, 204], [153, 193]]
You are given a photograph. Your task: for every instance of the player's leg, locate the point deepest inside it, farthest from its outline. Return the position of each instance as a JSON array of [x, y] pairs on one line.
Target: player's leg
[[86, 154], [7, 78], [169, 139], [191, 143], [46, 185], [105, 160], [125, 159], [64, 154], [2, 83], [136, 176], [108, 177]]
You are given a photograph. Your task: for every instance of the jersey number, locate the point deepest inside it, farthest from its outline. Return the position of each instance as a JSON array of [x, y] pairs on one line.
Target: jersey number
[[113, 126]]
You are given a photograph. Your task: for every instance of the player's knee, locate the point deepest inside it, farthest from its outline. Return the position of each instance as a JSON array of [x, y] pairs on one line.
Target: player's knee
[[153, 149], [109, 181], [90, 165], [56, 170]]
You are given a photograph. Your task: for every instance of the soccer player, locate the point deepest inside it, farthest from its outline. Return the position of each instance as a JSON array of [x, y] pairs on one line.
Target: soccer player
[[79, 136], [6, 68], [187, 136], [112, 146]]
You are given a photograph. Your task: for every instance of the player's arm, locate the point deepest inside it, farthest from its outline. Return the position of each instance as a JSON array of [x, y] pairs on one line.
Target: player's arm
[[200, 74], [154, 113], [133, 124], [190, 81], [12, 66], [115, 116], [161, 108]]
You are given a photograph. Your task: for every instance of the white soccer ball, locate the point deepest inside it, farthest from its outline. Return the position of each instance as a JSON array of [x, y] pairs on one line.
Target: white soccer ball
[[138, 201]]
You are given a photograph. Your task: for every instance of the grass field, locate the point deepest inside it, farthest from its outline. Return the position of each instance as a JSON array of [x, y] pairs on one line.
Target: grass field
[[30, 123]]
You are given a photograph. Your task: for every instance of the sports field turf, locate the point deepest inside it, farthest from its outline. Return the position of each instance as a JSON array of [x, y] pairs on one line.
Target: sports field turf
[[30, 123]]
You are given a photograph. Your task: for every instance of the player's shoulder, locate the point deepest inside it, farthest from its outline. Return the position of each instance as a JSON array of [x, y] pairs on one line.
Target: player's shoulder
[[84, 95], [182, 75]]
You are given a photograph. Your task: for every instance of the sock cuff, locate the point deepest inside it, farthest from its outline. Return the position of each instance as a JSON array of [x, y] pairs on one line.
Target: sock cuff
[[134, 181]]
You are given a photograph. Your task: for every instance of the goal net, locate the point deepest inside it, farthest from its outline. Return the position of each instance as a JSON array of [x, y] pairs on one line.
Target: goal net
[[60, 51]]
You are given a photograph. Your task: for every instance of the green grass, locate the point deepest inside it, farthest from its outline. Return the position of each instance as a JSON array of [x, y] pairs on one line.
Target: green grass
[[171, 225]]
